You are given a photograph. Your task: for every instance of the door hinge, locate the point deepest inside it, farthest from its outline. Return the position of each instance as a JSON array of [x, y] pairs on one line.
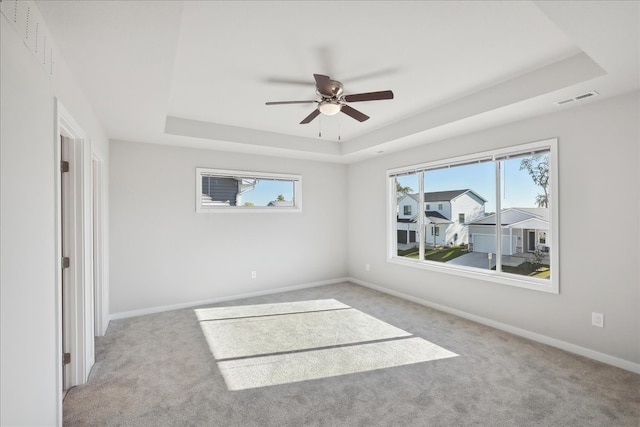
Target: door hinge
[[66, 358], [66, 262], [64, 166]]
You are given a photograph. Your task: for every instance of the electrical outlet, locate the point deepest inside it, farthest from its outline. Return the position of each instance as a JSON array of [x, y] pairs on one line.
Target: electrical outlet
[[597, 319], [367, 267], [254, 274]]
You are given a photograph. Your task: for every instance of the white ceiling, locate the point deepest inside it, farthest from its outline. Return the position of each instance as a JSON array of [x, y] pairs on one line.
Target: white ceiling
[[198, 73]]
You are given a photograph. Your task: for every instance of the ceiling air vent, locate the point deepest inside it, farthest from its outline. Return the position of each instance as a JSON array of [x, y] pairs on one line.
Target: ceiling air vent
[[577, 98]]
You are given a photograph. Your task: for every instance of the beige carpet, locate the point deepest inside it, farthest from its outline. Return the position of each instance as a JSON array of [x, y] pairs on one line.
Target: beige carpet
[[159, 370], [270, 344]]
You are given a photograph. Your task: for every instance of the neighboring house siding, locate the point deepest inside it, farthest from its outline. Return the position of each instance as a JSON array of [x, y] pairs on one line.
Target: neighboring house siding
[[472, 208], [220, 189], [407, 201], [446, 208]]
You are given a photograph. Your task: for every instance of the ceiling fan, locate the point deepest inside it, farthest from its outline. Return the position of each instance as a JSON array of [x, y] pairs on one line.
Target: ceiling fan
[[332, 101]]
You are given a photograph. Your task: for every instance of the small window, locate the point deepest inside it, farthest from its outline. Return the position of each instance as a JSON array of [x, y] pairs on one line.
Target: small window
[[461, 218], [542, 237], [439, 206], [435, 229], [407, 209], [219, 190], [428, 206]]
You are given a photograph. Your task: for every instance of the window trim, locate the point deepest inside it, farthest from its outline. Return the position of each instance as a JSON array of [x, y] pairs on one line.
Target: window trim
[[296, 179], [551, 285]]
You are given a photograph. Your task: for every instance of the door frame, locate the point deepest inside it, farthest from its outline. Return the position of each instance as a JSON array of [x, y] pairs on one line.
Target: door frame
[[100, 290], [80, 328]]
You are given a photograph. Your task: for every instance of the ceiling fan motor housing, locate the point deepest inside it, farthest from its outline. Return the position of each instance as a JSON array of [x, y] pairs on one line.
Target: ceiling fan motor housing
[[336, 90]]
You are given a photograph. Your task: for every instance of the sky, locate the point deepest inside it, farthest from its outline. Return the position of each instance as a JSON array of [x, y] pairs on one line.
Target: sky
[[518, 189], [267, 191]]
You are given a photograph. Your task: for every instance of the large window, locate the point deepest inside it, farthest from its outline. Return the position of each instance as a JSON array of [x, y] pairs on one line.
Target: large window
[[219, 190], [496, 217]]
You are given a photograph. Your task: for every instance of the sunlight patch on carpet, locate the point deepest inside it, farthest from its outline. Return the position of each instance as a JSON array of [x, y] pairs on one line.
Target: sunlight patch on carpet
[[217, 313], [271, 344]]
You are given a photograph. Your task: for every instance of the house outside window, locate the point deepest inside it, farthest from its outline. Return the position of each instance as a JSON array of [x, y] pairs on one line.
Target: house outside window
[[407, 209]]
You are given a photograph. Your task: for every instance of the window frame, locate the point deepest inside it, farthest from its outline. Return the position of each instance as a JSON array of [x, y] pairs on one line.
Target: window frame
[[551, 285], [296, 179]]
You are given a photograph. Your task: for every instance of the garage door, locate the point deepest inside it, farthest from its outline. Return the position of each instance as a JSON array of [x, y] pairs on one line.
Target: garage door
[[484, 243]]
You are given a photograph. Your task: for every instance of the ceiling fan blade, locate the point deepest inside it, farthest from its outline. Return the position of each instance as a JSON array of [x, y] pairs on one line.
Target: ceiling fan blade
[[289, 102], [349, 111], [310, 117], [323, 83], [288, 81], [369, 96]]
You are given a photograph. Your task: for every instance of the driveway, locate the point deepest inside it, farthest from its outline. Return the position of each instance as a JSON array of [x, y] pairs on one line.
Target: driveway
[[473, 259], [480, 260]]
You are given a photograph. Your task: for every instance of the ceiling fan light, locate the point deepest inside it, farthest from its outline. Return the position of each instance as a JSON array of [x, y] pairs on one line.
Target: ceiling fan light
[[329, 108]]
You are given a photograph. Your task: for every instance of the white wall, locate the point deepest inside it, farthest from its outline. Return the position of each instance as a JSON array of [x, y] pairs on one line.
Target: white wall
[[163, 253], [598, 157], [28, 340]]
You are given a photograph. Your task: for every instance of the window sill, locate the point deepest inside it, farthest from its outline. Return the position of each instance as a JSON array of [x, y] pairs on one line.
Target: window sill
[[541, 285], [247, 209]]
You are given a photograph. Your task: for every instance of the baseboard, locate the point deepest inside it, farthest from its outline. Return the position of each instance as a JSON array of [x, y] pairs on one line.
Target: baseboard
[[151, 310], [563, 345]]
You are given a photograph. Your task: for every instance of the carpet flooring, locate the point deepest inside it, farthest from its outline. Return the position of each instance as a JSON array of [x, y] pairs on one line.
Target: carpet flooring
[[159, 370]]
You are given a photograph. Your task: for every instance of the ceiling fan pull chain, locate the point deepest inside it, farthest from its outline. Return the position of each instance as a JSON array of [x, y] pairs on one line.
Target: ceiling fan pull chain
[[320, 127]]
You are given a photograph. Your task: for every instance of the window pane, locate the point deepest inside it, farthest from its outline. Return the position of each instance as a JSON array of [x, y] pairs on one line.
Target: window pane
[[221, 190], [525, 216], [245, 191], [458, 201], [407, 218]]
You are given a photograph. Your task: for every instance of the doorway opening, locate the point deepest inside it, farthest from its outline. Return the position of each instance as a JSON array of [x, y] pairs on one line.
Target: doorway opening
[[80, 254]]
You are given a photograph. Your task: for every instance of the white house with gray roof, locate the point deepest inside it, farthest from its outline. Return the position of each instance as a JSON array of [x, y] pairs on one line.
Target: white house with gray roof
[[522, 229], [446, 215]]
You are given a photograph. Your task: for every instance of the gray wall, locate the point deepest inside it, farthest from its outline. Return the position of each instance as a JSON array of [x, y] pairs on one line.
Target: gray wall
[[163, 253], [598, 161]]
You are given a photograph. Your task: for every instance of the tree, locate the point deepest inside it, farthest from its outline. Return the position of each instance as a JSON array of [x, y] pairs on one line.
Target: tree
[[538, 168], [280, 198], [402, 191], [248, 204]]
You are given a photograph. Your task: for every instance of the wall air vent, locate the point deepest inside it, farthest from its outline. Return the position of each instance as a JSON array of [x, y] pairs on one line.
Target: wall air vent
[[577, 98], [28, 23]]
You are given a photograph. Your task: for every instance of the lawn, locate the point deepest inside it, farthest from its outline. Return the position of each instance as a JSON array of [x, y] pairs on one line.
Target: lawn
[[529, 269], [440, 254]]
